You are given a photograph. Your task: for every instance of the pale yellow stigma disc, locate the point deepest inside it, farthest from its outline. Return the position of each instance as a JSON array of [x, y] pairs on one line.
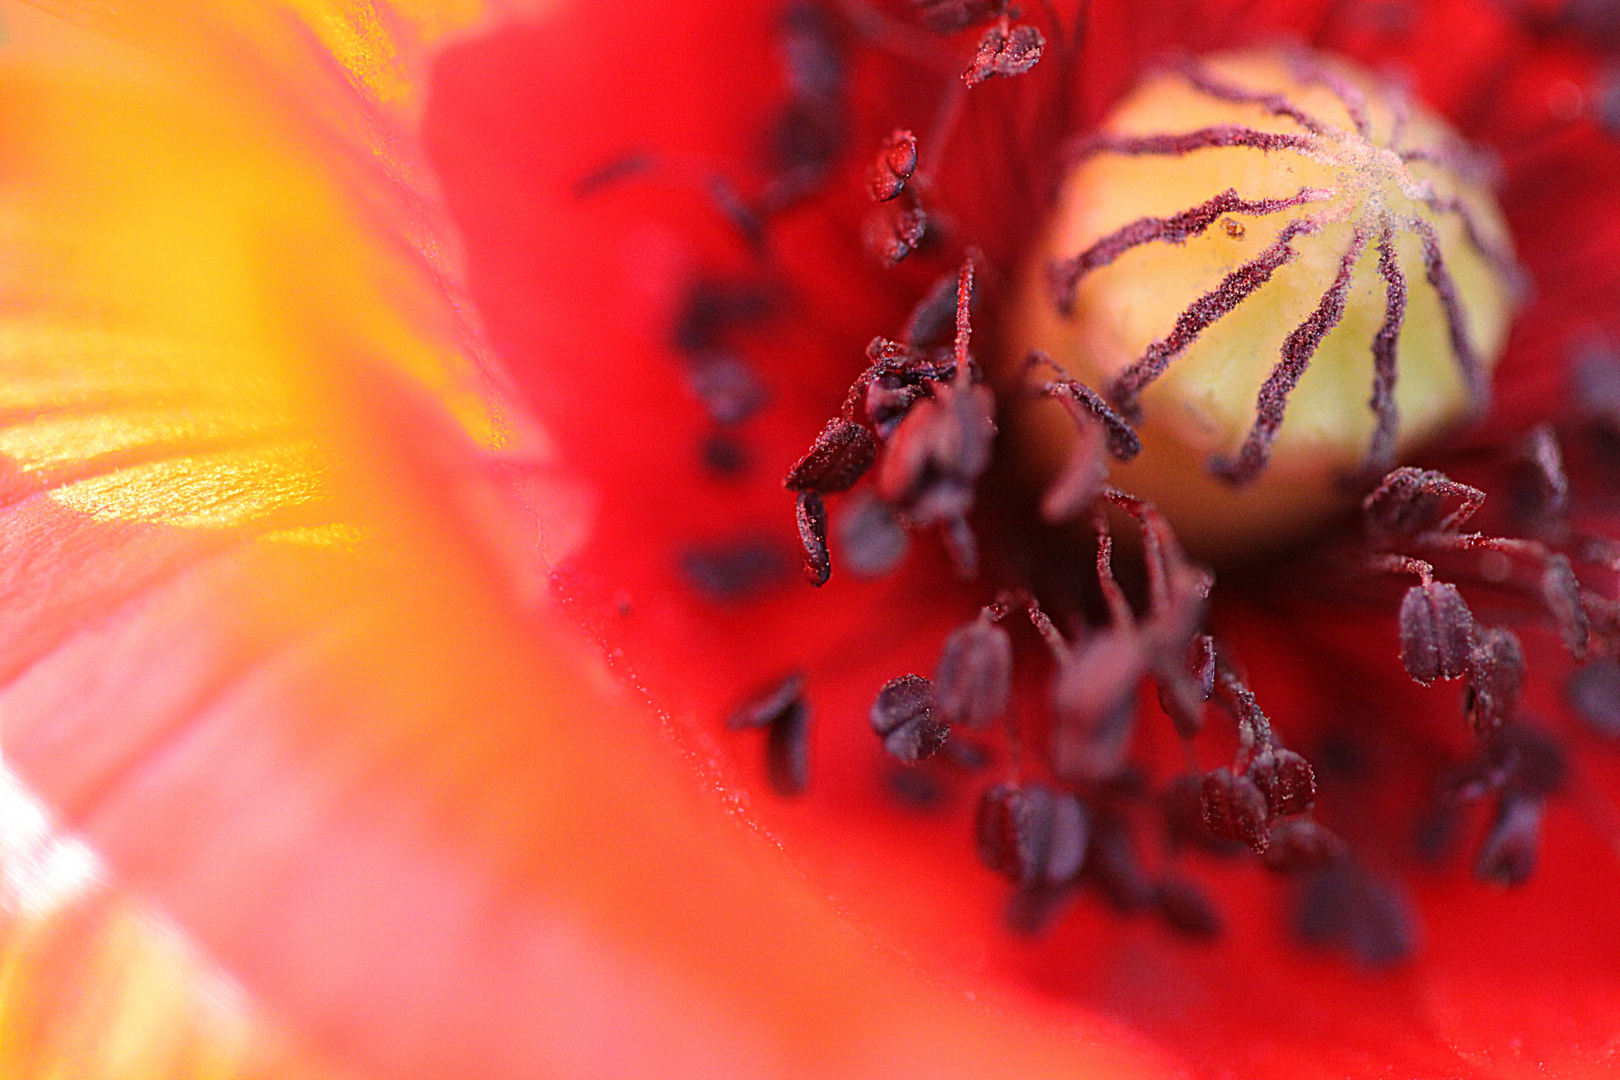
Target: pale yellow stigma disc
[[1355, 160]]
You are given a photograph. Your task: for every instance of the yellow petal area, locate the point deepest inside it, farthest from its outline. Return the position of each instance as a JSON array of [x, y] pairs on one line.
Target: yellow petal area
[[275, 642]]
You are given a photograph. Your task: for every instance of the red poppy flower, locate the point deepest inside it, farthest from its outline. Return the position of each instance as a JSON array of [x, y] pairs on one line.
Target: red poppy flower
[[348, 390]]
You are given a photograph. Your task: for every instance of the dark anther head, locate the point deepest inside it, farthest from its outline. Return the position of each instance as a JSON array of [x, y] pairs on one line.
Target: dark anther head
[[1235, 809], [1437, 632], [1409, 501], [1114, 864], [1182, 804], [1548, 494], [871, 540], [895, 228], [974, 674], [728, 387], [951, 16], [812, 517], [1032, 835], [1300, 844], [1286, 780], [939, 452], [889, 397], [1561, 592], [905, 715], [1184, 687], [1344, 905], [839, 457], [1495, 678], [1093, 698], [896, 161], [784, 712], [1508, 856], [1537, 764], [768, 705], [787, 751], [1594, 693], [932, 321], [1005, 53]]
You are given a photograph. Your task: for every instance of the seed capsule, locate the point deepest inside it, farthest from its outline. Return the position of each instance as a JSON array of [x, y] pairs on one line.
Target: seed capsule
[[1354, 313]]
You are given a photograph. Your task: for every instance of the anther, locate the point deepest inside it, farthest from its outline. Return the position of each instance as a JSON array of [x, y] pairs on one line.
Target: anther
[[839, 457], [974, 674], [896, 161], [905, 717], [1235, 809], [1437, 632], [1006, 52], [1032, 835]]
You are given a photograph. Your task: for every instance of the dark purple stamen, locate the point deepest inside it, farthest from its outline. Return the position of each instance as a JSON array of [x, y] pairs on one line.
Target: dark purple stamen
[[1235, 809], [1550, 497], [871, 540], [1032, 835], [768, 705], [784, 712], [812, 521], [1301, 843], [840, 456], [952, 16], [1437, 632], [1286, 780], [1495, 679], [1005, 52], [1408, 503], [896, 161], [787, 752], [1594, 693], [1561, 592], [1508, 856], [1344, 905], [905, 717], [895, 228], [974, 675]]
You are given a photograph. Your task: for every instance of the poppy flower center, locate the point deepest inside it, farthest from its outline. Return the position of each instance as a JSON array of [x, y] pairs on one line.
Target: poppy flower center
[[1257, 238]]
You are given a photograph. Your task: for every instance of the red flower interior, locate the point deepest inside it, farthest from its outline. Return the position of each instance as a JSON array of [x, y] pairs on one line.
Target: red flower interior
[[583, 292]]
